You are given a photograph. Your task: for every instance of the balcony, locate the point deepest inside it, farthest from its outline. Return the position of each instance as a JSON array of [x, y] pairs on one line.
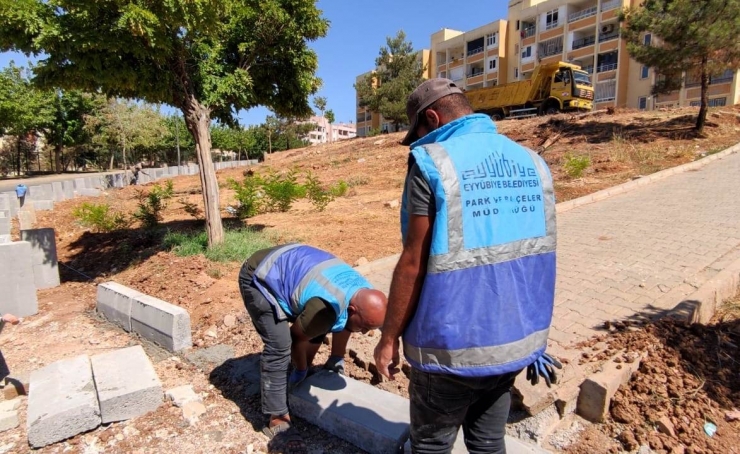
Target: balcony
[[610, 5], [551, 25], [584, 42], [475, 72], [582, 14], [606, 67], [529, 31], [475, 51], [589, 69], [608, 36]]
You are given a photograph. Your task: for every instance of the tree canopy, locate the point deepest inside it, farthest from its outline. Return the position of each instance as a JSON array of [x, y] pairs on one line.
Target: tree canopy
[[208, 58], [698, 38], [398, 72]]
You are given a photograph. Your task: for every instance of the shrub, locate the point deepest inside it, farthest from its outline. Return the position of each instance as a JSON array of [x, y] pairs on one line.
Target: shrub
[[316, 193], [150, 205], [282, 190], [248, 195], [237, 246], [99, 217], [358, 180], [575, 165], [340, 189]]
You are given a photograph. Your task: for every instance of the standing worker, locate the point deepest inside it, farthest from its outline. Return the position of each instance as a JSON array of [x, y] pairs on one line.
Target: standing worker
[[473, 290], [316, 292]]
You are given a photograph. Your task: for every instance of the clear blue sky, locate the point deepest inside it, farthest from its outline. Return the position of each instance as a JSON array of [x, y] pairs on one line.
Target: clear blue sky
[[357, 32]]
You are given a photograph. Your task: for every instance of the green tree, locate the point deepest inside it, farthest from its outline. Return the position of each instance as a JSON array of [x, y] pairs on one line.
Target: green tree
[[320, 103], [398, 72], [208, 58], [330, 116], [24, 109], [67, 130], [126, 126], [698, 37]]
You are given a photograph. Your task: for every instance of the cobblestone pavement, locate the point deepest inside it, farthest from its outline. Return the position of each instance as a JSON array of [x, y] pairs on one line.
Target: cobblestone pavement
[[640, 252]]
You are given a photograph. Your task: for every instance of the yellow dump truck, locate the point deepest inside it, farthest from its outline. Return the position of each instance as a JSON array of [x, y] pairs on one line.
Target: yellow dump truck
[[553, 88]]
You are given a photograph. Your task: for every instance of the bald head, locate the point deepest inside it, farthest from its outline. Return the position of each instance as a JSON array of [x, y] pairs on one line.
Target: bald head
[[367, 310]]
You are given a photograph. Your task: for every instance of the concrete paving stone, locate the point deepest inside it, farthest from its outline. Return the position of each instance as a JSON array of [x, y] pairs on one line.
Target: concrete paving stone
[[161, 322], [5, 223], [370, 418], [10, 405], [598, 389], [80, 184], [16, 275], [9, 420], [58, 191], [68, 188], [16, 384], [43, 205], [172, 171], [62, 402], [182, 395], [43, 256], [6, 238], [88, 192], [114, 301], [127, 384]]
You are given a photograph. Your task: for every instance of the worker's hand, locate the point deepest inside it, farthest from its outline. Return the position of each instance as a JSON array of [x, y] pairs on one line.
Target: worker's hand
[[544, 366], [335, 364], [12, 319], [387, 357], [296, 377]]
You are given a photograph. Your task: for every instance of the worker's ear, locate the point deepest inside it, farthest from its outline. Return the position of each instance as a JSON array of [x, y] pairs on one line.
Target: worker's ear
[[432, 119], [351, 309]]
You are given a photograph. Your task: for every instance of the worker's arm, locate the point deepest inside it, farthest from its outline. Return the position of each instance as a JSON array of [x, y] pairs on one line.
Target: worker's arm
[[408, 278], [339, 343], [314, 322], [299, 347]]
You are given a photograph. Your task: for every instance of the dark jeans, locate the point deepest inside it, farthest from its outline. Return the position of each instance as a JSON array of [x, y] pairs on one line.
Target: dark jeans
[[441, 403], [275, 361]]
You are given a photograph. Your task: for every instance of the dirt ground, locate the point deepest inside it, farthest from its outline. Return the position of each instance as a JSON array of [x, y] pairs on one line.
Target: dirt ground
[[689, 377], [620, 146]]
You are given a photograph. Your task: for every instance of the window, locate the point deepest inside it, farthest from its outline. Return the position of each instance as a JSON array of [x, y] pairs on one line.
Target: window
[[718, 102], [647, 39], [492, 64], [551, 19], [644, 72], [527, 52], [722, 77], [551, 47], [517, 25], [642, 103], [491, 39]]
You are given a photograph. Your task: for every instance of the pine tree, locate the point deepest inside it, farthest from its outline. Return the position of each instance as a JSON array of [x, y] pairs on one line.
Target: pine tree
[[398, 73], [695, 37]]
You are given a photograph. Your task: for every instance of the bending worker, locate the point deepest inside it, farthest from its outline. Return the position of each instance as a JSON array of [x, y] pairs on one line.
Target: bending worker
[[473, 290], [316, 292]]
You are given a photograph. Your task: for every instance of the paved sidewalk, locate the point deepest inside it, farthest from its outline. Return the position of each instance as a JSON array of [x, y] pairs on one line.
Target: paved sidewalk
[[639, 252]]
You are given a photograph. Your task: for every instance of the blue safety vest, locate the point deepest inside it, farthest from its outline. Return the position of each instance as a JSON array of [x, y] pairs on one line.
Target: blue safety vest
[[486, 304], [291, 275]]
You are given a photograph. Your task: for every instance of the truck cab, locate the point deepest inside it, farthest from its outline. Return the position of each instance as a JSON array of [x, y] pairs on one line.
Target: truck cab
[[572, 87]]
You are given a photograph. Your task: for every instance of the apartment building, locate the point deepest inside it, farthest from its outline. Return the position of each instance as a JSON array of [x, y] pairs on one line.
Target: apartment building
[[368, 121], [471, 59], [327, 132]]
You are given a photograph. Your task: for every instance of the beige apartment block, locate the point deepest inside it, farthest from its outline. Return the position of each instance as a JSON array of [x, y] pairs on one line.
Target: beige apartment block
[[472, 59], [587, 33], [368, 121]]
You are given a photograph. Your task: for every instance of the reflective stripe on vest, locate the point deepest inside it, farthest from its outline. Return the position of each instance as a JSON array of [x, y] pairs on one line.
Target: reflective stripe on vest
[[455, 265]]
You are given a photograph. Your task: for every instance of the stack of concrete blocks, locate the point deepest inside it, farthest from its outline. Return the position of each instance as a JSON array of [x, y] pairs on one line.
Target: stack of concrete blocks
[[18, 294], [153, 319], [76, 395], [43, 257]]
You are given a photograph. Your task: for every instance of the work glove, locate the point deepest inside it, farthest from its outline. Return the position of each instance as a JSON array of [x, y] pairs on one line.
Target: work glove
[[296, 377], [335, 364], [545, 366]]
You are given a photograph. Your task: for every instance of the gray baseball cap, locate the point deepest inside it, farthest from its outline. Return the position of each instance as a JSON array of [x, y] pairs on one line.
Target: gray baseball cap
[[424, 96]]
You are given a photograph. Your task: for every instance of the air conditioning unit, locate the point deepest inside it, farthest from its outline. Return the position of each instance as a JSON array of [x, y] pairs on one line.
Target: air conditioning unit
[[607, 28]]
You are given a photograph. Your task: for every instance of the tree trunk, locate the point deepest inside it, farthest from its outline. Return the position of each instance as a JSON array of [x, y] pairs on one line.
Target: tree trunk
[[58, 158], [112, 157], [198, 120], [702, 118]]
